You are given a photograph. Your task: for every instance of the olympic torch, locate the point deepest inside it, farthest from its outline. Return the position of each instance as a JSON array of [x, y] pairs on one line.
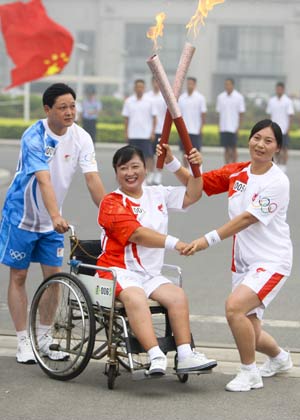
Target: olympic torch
[[173, 107], [183, 66]]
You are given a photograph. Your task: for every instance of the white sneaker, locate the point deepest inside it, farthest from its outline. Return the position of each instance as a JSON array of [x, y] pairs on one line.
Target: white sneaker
[[271, 367], [196, 361], [158, 366], [45, 341], [24, 352], [245, 380]]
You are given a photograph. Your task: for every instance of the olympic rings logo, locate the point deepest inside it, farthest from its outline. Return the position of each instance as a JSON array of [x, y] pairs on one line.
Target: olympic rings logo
[[265, 205], [16, 255]]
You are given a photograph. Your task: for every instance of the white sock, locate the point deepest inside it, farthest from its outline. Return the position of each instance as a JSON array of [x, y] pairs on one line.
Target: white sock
[[283, 355], [22, 334], [250, 367], [155, 352], [183, 351], [43, 330]]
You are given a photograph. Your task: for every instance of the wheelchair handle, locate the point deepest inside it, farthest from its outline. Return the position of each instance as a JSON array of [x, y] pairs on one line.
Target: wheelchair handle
[[72, 230]]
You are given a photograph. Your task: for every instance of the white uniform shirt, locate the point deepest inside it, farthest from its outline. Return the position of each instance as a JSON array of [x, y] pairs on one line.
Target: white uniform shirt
[[266, 243], [120, 215], [229, 108], [140, 113], [192, 107], [280, 110], [160, 107], [41, 149]]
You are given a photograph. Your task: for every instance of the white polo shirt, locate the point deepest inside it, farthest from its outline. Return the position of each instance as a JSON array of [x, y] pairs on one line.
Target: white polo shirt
[[160, 107], [192, 107], [280, 110], [229, 108], [140, 113]]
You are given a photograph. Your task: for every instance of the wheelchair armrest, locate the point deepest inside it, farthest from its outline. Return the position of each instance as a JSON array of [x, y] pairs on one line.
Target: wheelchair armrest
[[173, 273]]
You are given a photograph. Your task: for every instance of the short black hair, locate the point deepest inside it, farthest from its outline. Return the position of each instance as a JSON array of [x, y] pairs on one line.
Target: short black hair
[[193, 79], [125, 154], [260, 125], [139, 81], [54, 91], [280, 84]]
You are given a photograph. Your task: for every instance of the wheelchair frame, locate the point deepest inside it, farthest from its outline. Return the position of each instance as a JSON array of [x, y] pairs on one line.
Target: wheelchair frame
[[88, 307]]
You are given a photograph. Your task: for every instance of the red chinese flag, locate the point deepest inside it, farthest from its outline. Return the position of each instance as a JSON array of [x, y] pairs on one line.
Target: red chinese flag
[[37, 45]]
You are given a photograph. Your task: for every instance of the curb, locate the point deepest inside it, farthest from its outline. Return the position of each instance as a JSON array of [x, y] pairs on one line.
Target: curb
[[4, 177], [227, 357]]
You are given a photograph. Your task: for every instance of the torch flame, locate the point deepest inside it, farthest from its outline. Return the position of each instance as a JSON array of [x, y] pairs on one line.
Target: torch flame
[[204, 6], [158, 30]]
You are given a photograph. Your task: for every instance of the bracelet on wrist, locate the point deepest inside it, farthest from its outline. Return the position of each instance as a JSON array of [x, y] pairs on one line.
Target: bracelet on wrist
[[171, 242], [174, 165], [212, 238]]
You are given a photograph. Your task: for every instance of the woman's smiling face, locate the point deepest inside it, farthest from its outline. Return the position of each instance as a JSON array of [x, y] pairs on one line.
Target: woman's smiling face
[[131, 176], [263, 146]]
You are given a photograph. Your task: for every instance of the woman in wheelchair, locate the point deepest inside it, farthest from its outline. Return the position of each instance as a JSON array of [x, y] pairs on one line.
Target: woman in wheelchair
[[134, 219]]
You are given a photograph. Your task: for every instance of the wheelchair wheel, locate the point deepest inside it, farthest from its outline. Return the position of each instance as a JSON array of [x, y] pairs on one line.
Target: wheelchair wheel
[[182, 377], [112, 373], [63, 303]]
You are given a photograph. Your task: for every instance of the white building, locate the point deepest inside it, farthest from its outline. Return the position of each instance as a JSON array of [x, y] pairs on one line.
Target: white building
[[256, 42]]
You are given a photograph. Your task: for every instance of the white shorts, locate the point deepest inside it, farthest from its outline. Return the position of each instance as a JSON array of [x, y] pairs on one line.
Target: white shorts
[[127, 278], [265, 283]]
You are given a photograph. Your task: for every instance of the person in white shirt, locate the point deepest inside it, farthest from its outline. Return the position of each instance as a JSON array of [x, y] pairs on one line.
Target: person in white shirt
[[231, 107], [258, 198], [281, 110], [193, 108], [140, 123], [32, 224], [160, 105]]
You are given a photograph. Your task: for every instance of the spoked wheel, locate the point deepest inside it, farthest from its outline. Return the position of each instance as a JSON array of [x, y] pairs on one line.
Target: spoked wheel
[[140, 359], [182, 377], [63, 304]]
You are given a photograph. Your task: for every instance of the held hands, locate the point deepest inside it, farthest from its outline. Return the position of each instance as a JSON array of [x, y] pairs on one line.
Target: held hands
[[195, 246], [180, 246], [60, 225]]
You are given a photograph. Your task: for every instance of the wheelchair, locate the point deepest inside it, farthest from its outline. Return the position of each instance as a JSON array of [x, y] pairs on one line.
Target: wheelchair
[[87, 321]]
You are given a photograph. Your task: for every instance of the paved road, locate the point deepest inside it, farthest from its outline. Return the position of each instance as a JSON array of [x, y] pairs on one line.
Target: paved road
[[27, 394]]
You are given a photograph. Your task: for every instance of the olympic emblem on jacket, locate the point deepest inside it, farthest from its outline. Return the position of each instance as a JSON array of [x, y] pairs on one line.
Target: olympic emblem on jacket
[[264, 203], [17, 255]]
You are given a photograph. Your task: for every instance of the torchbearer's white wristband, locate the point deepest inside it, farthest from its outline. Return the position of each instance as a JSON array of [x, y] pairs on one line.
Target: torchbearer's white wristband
[[212, 238], [174, 165], [171, 242]]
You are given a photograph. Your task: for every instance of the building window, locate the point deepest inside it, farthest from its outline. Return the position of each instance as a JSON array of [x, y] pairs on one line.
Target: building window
[[138, 48], [251, 49]]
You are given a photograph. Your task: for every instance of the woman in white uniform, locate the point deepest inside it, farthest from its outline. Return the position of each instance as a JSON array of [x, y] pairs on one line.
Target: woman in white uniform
[[134, 219], [258, 193]]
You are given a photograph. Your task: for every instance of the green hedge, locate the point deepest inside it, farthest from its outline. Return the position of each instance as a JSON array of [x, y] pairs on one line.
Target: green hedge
[[14, 128]]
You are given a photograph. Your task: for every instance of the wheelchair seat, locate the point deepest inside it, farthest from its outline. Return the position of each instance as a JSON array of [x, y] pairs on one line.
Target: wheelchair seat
[[151, 304]]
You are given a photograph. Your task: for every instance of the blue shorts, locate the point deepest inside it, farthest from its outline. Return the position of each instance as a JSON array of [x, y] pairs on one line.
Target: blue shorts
[[19, 247]]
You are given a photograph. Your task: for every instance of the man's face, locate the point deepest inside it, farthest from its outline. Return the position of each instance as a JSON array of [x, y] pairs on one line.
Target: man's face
[[279, 90], [139, 89], [63, 112], [228, 86], [190, 86]]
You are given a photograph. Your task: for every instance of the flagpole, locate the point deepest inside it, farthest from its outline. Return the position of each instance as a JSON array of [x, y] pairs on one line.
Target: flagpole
[[26, 105]]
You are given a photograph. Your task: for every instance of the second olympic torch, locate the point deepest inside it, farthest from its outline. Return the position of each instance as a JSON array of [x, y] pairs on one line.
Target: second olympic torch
[[173, 107], [183, 66]]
